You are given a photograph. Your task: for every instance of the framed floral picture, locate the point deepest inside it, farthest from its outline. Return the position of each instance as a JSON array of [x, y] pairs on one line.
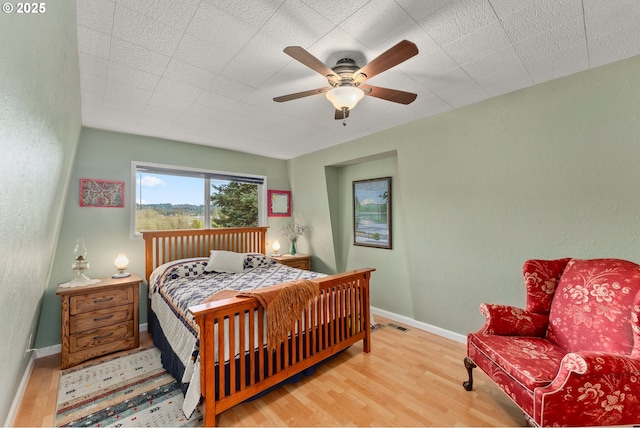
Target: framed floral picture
[[279, 202], [372, 212], [101, 193]]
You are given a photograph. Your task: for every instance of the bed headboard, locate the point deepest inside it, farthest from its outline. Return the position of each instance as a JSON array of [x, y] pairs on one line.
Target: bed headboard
[[162, 246]]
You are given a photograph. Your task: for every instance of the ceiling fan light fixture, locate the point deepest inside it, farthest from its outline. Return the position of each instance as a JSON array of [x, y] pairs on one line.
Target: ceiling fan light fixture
[[344, 96]]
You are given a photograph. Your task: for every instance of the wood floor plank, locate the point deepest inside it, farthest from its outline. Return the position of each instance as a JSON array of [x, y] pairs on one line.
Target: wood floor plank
[[410, 378]]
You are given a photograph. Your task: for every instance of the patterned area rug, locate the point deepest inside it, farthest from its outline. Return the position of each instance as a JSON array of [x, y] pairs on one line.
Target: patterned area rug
[[131, 390]]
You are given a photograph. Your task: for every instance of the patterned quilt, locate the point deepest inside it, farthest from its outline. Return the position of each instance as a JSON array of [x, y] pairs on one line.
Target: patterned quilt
[[185, 283], [175, 286]]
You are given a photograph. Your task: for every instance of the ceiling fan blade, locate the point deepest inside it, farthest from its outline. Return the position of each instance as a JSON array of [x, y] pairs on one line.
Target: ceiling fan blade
[[389, 58], [303, 94], [394, 95], [301, 55], [341, 114]]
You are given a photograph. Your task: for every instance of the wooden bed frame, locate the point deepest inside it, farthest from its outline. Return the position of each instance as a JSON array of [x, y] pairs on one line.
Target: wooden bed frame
[[338, 319]]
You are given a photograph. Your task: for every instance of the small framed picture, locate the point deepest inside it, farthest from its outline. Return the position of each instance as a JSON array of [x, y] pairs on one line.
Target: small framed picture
[[372, 212], [279, 203], [101, 193]]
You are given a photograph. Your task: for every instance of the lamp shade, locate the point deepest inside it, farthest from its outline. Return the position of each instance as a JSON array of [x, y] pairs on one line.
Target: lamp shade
[[344, 96], [121, 262]]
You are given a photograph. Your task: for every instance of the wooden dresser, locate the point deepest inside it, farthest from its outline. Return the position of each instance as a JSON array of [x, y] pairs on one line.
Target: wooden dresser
[[100, 318], [300, 261]]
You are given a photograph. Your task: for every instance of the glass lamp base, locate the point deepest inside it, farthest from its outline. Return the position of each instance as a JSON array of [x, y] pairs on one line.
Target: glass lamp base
[[80, 278], [79, 267]]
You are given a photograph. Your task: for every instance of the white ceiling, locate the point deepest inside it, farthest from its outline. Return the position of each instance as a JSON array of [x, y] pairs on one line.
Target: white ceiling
[[205, 71]]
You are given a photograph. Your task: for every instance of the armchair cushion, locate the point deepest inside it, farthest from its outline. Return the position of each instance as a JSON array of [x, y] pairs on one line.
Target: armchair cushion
[[591, 307], [531, 361], [508, 320]]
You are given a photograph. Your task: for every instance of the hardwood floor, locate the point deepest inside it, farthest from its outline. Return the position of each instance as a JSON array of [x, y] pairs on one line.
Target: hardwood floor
[[410, 378]]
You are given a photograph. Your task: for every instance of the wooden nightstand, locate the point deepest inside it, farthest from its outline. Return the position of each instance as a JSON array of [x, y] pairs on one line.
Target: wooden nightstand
[[300, 261], [99, 319]]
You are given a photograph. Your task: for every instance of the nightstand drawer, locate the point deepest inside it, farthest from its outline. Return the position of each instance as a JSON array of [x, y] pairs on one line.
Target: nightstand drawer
[[103, 317], [298, 261], [100, 300], [100, 336], [299, 264]]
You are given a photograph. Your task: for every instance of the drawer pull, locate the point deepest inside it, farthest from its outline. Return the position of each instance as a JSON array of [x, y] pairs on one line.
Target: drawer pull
[[106, 299], [104, 336], [103, 318]]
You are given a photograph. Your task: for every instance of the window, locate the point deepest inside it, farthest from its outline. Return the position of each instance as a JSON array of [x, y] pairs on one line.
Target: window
[[167, 197]]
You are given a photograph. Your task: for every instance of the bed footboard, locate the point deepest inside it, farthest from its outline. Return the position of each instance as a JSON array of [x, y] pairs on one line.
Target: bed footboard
[[336, 320]]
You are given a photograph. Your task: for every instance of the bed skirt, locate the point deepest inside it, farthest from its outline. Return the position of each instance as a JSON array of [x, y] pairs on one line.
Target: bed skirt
[[171, 362]]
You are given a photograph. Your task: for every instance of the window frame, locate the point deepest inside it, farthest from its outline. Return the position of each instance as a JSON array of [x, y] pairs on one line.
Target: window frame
[[196, 173]]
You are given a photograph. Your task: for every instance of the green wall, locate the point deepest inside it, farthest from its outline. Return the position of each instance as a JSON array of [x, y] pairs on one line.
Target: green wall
[[545, 172], [107, 155], [39, 128], [392, 291]]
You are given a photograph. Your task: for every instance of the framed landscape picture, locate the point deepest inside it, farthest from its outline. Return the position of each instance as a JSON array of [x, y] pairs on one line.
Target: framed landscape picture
[[372, 212]]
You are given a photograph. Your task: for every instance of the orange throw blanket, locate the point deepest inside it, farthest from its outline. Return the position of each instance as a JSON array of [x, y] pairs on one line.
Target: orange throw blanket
[[283, 304]]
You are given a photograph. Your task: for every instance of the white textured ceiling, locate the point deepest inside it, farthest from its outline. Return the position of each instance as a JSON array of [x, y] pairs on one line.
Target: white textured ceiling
[[205, 71]]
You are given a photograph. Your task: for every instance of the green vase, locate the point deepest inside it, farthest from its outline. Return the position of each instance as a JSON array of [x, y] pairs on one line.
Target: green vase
[[293, 250]]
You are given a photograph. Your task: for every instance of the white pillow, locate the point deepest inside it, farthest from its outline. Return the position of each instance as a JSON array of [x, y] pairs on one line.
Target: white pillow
[[225, 262]]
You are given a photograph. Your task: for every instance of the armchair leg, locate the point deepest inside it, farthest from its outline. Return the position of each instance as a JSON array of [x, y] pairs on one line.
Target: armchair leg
[[469, 365]]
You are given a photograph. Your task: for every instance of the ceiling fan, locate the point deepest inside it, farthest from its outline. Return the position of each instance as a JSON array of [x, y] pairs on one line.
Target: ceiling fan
[[346, 78]]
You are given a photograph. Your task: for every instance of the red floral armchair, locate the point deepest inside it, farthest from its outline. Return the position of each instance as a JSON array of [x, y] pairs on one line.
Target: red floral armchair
[[572, 357]]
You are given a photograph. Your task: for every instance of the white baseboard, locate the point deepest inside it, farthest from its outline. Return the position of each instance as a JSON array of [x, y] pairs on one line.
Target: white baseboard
[[13, 411], [37, 353], [49, 350], [420, 325]]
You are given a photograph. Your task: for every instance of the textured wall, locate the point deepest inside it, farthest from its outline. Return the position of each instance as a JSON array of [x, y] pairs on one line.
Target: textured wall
[[39, 128], [546, 172]]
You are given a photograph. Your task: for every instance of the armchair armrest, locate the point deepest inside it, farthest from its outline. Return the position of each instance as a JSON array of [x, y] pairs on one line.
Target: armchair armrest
[[505, 320], [591, 387]]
